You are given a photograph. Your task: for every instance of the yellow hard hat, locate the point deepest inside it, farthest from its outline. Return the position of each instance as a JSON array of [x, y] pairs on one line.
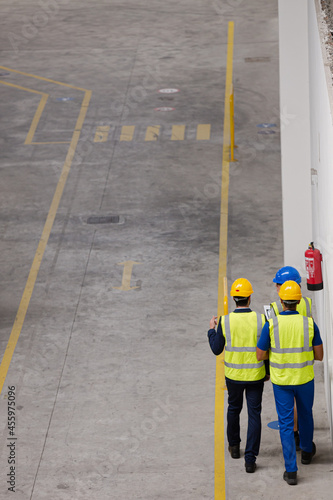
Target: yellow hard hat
[[290, 290], [241, 288]]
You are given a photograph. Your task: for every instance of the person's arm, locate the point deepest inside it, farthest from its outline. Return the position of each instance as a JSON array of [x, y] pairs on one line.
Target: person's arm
[[318, 352], [213, 323], [317, 344], [261, 355], [263, 343], [216, 338]]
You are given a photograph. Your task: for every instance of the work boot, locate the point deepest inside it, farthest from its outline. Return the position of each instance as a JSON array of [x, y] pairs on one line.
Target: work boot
[[307, 457], [234, 451], [290, 477], [250, 466]]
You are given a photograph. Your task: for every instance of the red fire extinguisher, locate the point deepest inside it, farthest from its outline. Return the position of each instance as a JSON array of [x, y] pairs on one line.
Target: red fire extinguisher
[[313, 260]]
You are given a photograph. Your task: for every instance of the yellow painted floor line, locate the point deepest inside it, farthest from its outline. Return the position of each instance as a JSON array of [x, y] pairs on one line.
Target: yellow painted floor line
[[27, 293], [37, 116], [50, 142], [178, 132], [36, 119], [203, 132], [219, 384], [42, 78], [152, 133], [127, 132], [19, 87], [102, 133], [39, 110]]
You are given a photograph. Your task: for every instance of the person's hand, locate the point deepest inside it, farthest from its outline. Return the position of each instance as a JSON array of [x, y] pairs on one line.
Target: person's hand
[[213, 322], [267, 377]]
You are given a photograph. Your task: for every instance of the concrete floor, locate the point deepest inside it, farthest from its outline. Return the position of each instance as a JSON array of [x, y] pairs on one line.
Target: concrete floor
[[114, 379]]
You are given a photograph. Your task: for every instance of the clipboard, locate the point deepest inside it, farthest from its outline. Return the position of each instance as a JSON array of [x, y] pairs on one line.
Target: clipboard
[[267, 311]]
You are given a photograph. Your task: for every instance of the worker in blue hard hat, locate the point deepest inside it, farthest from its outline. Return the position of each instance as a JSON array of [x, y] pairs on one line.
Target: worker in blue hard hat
[[304, 308], [288, 273]]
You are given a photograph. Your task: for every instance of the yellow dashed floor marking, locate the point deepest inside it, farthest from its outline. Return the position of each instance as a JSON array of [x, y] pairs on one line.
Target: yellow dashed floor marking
[[178, 132], [152, 133], [102, 133], [127, 132], [203, 132]]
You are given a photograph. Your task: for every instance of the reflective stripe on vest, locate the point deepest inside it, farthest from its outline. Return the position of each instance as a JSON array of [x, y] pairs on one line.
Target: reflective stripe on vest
[[276, 308], [291, 365], [305, 348], [240, 361], [304, 307]]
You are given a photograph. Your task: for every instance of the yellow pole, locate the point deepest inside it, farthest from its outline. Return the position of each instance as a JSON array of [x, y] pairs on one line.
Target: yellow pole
[[225, 303]]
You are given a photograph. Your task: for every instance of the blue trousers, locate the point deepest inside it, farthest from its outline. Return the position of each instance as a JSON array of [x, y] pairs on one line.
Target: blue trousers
[[253, 394], [284, 400]]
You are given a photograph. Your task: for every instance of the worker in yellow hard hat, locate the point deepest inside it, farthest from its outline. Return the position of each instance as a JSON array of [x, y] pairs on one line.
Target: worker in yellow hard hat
[[292, 342], [304, 307], [288, 273], [237, 334]]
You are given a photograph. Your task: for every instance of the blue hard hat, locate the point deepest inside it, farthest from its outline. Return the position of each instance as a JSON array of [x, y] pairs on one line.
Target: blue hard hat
[[287, 273]]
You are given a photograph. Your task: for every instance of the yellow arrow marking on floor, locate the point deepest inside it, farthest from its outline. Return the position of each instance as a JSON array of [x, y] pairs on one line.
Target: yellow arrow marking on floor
[[127, 275]]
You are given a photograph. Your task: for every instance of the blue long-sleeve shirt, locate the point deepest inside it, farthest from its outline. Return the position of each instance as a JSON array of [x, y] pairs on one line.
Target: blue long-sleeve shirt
[[216, 337]]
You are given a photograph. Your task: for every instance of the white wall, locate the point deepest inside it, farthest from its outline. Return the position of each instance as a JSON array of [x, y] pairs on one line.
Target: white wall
[[307, 155], [321, 122], [295, 135]]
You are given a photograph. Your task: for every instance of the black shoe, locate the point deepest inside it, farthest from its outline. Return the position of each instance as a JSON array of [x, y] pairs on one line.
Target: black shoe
[[307, 457], [296, 436], [290, 477], [234, 451], [250, 467]]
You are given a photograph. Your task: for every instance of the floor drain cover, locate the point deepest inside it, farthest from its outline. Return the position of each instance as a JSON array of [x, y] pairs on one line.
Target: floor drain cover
[[108, 219]]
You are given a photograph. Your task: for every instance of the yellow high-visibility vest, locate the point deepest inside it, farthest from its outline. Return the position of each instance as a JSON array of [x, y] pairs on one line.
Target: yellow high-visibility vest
[[242, 332], [304, 307], [291, 355]]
